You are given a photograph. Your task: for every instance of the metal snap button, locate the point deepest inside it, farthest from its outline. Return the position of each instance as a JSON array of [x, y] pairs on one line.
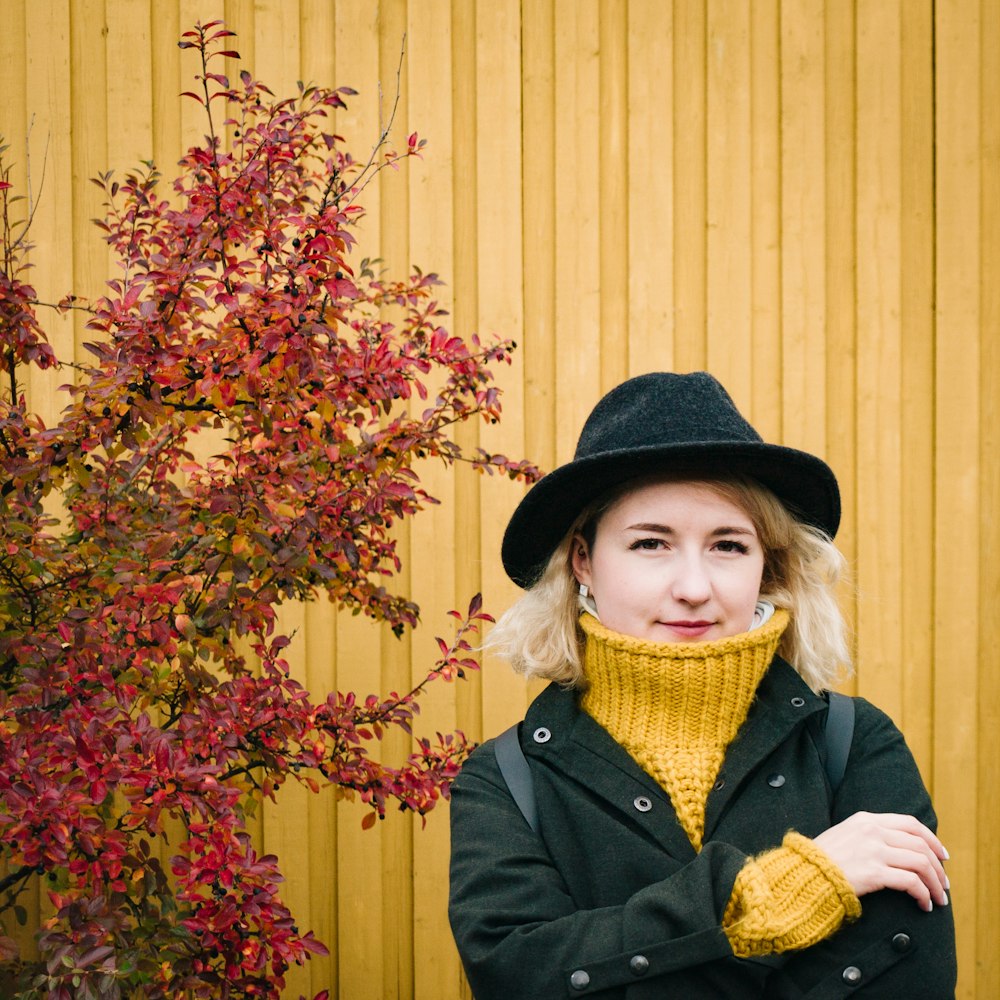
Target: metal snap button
[[579, 980], [541, 735], [642, 803], [901, 941], [639, 965], [776, 780], [720, 784], [852, 975], [798, 703]]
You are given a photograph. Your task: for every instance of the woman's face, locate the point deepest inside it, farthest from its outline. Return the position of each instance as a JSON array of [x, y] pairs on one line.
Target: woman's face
[[673, 562]]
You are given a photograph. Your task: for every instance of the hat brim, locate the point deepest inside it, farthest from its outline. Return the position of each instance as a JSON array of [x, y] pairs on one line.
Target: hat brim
[[804, 483]]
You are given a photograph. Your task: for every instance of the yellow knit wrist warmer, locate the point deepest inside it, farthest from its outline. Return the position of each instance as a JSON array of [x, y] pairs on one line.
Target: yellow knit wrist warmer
[[786, 899]]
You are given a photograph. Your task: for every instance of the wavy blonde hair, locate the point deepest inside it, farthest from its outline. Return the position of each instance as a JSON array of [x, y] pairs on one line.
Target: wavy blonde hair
[[541, 637]]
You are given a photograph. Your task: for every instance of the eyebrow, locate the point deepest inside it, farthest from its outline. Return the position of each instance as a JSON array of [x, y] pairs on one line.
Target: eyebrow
[[664, 529]]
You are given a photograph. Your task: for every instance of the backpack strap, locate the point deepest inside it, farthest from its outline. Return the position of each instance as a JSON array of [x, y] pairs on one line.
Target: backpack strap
[[514, 768], [839, 734]]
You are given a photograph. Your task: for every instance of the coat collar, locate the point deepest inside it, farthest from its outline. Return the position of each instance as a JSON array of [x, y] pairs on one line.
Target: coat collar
[[568, 740]]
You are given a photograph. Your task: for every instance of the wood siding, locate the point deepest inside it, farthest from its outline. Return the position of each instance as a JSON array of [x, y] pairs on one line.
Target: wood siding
[[801, 196]]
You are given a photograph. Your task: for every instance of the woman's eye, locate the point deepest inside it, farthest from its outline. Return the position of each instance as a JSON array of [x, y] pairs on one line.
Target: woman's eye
[[647, 544], [731, 545]]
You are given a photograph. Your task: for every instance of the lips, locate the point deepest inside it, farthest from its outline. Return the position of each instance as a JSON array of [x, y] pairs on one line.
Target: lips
[[689, 629]]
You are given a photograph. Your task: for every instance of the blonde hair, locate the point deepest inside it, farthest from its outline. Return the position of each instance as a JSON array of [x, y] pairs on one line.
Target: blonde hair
[[541, 637]]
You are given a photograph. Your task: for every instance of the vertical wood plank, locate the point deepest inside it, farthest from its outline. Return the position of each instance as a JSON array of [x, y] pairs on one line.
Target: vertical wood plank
[[986, 980], [729, 283], [89, 151], [13, 84], [690, 197], [465, 241], [433, 553], [14, 122], [277, 62], [465, 196], [394, 238], [612, 192], [539, 180], [241, 16], [165, 83], [42, 142], [917, 383], [765, 220], [498, 131], [578, 292], [318, 42], [840, 210], [317, 65], [803, 236], [130, 85], [650, 186], [957, 446], [319, 823], [878, 391], [360, 956], [283, 829]]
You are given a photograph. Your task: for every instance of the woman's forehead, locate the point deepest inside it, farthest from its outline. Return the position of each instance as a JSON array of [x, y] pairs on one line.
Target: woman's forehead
[[680, 497]]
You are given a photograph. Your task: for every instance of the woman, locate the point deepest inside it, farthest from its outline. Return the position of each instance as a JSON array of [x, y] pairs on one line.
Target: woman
[[679, 579]]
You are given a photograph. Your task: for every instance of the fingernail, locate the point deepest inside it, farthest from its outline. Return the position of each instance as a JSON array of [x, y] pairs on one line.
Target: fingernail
[[947, 856], [946, 902], [947, 883], [930, 906]]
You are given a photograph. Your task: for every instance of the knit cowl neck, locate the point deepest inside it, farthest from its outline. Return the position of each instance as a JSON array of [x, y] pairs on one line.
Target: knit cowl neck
[[676, 707]]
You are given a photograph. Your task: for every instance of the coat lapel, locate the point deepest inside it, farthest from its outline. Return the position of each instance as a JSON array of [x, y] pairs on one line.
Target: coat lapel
[[585, 752], [784, 702]]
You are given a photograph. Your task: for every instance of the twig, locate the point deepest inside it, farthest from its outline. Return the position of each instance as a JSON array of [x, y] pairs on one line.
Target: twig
[[383, 131]]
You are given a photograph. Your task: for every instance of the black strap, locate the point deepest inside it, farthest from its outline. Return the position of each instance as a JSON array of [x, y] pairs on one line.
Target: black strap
[[514, 769], [838, 734]]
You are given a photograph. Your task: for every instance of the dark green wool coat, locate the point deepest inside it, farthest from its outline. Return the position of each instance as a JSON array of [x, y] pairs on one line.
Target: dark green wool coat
[[610, 900]]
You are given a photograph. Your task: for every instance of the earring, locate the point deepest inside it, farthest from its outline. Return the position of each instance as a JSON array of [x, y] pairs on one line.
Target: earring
[[584, 590]]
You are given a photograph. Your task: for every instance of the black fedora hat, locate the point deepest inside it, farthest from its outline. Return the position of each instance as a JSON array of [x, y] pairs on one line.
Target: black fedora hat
[[662, 422]]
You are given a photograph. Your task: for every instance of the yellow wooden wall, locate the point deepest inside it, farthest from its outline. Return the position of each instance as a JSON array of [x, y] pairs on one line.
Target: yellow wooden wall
[[801, 196]]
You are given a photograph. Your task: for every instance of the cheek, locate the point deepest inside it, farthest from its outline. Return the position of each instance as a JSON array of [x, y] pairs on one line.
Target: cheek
[[622, 582], [744, 588]]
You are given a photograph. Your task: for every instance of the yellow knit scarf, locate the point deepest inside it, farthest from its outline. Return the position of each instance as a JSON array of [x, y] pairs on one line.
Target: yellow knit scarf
[[676, 707]]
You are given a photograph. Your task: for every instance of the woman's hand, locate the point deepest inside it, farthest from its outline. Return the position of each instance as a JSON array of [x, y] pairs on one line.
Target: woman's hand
[[888, 851]]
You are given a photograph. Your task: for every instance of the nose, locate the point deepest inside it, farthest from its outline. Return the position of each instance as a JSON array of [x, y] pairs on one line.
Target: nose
[[691, 584]]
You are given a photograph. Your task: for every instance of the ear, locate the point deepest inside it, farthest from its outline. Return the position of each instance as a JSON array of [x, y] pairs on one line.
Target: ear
[[581, 560]]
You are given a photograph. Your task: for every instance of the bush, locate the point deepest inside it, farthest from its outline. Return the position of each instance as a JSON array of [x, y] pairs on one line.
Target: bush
[[135, 577]]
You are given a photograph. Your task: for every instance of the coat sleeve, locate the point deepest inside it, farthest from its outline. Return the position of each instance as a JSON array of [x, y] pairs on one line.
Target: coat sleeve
[[895, 949], [520, 934]]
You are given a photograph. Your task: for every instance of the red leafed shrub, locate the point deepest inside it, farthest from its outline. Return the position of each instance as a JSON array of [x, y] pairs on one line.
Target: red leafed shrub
[[133, 575]]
